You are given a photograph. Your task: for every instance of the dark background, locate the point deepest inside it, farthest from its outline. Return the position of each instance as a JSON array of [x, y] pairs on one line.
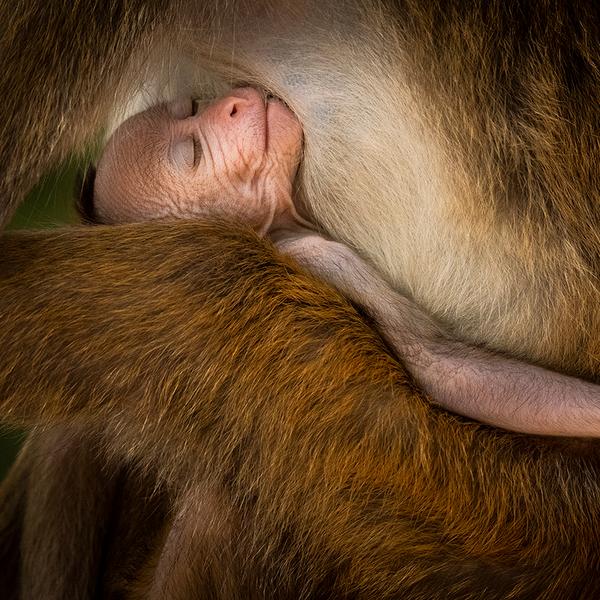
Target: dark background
[[50, 204]]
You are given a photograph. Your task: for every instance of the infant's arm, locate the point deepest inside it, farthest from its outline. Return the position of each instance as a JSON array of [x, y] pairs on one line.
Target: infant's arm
[[465, 379], [460, 377]]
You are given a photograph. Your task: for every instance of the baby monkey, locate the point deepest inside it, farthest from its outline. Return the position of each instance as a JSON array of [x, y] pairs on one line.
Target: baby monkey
[[237, 158]]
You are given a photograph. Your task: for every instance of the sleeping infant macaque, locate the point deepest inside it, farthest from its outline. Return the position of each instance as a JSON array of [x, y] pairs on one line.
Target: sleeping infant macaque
[[237, 158]]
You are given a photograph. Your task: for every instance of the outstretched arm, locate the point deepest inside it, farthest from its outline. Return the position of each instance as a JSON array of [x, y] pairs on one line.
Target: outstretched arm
[[198, 351], [463, 378]]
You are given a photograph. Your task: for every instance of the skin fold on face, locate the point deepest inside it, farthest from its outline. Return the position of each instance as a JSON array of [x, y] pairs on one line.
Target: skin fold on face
[[236, 158]]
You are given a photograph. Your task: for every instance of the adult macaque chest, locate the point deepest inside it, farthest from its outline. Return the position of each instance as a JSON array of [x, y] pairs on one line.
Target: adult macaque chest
[[411, 158], [237, 158]]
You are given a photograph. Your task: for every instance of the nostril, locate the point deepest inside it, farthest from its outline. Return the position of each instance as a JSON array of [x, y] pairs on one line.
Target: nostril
[[233, 111]]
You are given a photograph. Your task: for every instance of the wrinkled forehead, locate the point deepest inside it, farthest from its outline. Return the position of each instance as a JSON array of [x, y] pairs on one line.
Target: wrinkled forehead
[[142, 128]]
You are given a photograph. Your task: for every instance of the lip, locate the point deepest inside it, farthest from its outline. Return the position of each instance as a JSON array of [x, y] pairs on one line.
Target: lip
[[268, 102], [271, 103], [263, 102]]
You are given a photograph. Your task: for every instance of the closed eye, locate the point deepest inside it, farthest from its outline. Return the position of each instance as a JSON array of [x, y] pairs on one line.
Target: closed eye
[[197, 151], [187, 152], [183, 153]]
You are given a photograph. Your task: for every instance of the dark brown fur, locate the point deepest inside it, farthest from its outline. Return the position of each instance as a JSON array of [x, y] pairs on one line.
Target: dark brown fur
[[256, 436]]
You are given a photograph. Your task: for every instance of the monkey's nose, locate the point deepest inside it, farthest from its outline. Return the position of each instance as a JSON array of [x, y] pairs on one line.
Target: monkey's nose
[[241, 99], [234, 106]]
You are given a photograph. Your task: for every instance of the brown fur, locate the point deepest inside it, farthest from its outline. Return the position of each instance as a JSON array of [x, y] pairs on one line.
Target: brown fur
[[254, 403], [67, 463], [418, 500]]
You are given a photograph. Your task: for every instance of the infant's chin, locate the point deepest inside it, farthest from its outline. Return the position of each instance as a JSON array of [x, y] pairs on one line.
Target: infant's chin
[[284, 132]]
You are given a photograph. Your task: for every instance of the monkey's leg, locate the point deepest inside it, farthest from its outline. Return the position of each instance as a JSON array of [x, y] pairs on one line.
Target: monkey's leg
[[139, 522], [204, 539], [74, 525]]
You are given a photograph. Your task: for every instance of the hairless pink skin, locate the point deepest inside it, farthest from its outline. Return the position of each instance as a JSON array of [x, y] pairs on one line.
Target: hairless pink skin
[[470, 381], [238, 158]]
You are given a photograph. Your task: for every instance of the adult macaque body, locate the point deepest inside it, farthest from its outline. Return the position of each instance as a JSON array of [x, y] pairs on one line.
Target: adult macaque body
[[237, 159], [454, 145]]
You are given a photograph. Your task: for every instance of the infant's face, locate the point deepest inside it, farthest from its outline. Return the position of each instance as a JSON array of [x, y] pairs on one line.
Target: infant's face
[[238, 157]]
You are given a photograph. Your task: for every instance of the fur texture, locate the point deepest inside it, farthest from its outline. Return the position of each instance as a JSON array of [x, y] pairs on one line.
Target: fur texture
[[257, 438]]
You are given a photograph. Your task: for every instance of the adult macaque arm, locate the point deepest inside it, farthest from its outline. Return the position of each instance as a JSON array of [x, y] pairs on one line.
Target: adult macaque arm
[[124, 321], [216, 364], [197, 351], [470, 381], [148, 330]]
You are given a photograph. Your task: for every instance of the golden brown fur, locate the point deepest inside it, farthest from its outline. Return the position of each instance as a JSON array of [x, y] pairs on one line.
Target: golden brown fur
[[377, 475], [258, 423]]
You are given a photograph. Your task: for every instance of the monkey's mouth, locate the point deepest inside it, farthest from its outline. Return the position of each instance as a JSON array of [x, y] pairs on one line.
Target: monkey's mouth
[[267, 95], [272, 97]]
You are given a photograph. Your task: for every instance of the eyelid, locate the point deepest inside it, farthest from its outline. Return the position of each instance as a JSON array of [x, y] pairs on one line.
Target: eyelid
[[182, 152], [197, 150]]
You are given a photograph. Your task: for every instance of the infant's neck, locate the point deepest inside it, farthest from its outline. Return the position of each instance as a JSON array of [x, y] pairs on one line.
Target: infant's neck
[[287, 219]]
